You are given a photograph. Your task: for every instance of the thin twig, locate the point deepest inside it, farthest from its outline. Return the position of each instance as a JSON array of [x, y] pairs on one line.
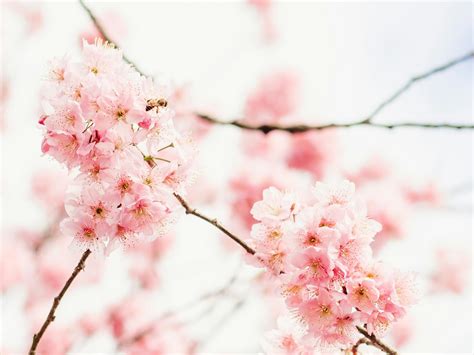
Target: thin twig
[[215, 223], [376, 342], [420, 77], [56, 301], [101, 30], [208, 295], [366, 121], [220, 323], [359, 342]]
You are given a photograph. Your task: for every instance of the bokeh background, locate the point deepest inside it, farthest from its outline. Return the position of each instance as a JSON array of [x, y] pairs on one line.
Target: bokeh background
[[345, 58]]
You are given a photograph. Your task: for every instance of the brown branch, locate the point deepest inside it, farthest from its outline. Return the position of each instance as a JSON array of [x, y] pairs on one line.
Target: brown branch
[[367, 121], [56, 301], [374, 341], [215, 223], [417, 78], [359, 342]]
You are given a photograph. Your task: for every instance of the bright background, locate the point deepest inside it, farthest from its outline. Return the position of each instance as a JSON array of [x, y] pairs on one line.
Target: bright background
[[350, 55]]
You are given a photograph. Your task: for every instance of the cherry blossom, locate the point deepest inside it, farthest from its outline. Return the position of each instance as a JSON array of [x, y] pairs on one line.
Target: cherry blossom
[[452, 271], [318, 249], [113, 129]]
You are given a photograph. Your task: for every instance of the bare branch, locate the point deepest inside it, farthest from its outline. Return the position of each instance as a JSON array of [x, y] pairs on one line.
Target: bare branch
[[374, 341], [359, 342], [420, 77], [305, 128], [367, 121], [51, 315], [215, 223]]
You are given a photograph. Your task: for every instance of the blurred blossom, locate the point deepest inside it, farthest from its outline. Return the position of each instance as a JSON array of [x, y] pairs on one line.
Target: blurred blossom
[[49, 187], [31, 13], [15, 263], [314, 152], [264, 8], [4, 94], [144, 260], [56, 341], [390, 200], [452, 271], [403, 331], [52, 269], [274, 99], [114, 26]]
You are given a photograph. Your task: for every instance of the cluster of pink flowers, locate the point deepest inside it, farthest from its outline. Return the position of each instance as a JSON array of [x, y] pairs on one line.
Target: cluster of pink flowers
[[318, 248], [113, 125]]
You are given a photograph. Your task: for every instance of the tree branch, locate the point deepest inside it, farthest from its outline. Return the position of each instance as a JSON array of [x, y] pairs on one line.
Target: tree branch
[[215, 223], [56, 301], [305, 128], [374, 341], [359, 342], [367, 121]]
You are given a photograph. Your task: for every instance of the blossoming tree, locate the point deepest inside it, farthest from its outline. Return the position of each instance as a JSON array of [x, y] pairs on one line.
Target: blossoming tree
[[131, 168]]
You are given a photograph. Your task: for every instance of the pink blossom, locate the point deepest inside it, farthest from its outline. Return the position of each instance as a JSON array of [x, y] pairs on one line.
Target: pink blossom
[[49, 187], [312, 151], [320, 253], [363, 294], [112, 22], [13, 263], [275, 206], [274, 99], [452, 271], [402, 331], [287, 339], [114, 131]]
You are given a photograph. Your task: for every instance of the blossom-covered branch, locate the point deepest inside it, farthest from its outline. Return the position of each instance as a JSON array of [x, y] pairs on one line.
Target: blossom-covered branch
[[215, 223], [366, 121], [56, 301]]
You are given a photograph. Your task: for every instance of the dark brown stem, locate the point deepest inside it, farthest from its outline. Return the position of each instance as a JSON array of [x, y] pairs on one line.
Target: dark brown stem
[[215, 223], [367, 121], [305, 128], [56, 301], [374, 341]]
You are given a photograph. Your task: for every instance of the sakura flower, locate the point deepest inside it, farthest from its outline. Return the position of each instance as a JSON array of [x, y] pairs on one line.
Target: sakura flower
[[319, 312], [318, 263], [363, 294], [334, 194], [286, 339], [276, 206], [104, 120], [321, 255]]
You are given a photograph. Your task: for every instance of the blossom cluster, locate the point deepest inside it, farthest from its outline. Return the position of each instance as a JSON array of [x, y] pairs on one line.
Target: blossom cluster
[[114, 127], [318, 247]]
